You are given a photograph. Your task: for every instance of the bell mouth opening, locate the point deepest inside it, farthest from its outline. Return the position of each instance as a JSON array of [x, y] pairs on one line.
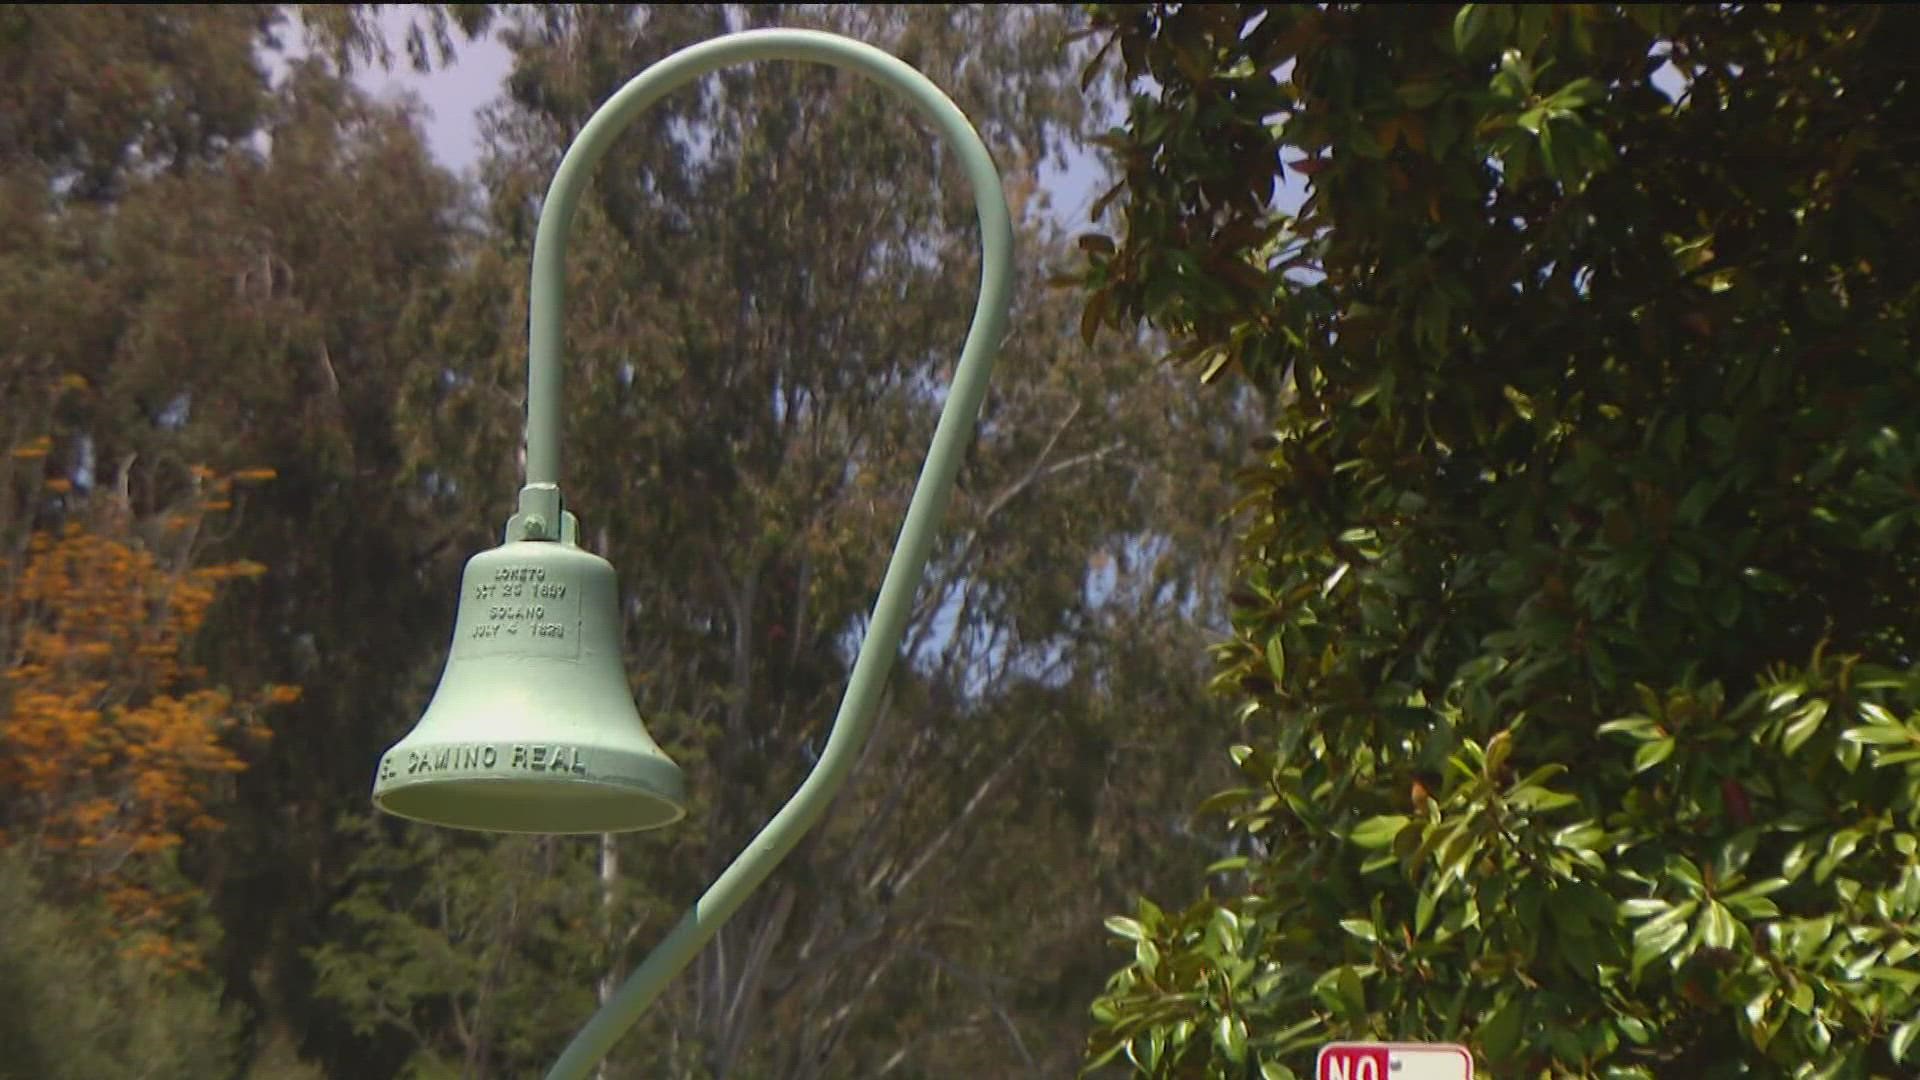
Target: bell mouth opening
[[546, 806]]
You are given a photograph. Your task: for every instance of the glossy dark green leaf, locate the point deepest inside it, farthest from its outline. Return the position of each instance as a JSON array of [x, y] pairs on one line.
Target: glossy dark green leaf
[[1653, 753], [1378, 832], [1801, 725], [1363, 929], [1902, 1040], [1230, 1036], [1498, 1036]]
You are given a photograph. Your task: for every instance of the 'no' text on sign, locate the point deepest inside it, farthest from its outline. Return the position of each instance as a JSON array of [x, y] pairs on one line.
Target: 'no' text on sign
[[1393, 1061]]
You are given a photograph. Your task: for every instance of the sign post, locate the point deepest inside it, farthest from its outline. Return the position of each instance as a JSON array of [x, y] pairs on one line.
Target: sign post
[[1393, 1061]]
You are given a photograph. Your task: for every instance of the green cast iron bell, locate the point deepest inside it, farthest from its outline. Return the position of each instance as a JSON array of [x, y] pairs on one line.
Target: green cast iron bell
[[533, 727]]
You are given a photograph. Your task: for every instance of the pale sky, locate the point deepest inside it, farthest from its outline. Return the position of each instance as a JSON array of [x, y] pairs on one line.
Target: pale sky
[[455, 95]]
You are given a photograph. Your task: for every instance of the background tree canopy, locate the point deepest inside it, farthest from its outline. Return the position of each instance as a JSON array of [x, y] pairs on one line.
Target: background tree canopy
[[1575, 626], [260, 396]]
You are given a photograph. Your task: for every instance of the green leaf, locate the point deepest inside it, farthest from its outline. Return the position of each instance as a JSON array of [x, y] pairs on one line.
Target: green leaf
[[1643, 907], [1581, 836], [1499, 749], [1796, 860], [1579, 92], [1637, 727], [1498, 1036], [1144, 1049], [1902, 1040], [1378, 832], [1805, 721], [1634, 1028], [1469, 24], [1223, 932], [1766, 887], [1809, 935], [1752, 903], [1842, 845], [1656, 937], [1340, 992], [1216, 362], [1535, 799], [1230, 1036], [1361, 928], [1819, 1038], [1877, 715], [1121, 926], [1879, 735], [1720, 930], [1150, 914], [1277, 659], [1229, 865], [1333, 579], [1652, 754], [1423, 911], [1651, 947], [1223, 801], [1901, 977], [1146, 956], [1686, 872], [1352, 993], [1734, 854]]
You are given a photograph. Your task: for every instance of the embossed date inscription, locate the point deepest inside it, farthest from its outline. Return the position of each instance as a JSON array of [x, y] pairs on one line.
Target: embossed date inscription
[[522, 609]]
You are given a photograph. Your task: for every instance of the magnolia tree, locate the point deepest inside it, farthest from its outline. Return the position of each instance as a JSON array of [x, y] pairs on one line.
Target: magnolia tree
[[1577, 608]]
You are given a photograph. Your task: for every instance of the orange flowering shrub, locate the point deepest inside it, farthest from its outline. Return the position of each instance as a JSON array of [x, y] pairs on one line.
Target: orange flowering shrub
[[111, 753]]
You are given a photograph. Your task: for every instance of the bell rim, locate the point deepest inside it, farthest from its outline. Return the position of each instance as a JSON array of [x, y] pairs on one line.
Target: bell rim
[[618, 786]]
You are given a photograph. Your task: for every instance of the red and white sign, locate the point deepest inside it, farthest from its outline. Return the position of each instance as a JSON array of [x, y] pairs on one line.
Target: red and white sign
[[1393, 1061]]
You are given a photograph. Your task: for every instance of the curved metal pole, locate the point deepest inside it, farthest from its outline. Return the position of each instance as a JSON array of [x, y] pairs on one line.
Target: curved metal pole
[[855, 718]]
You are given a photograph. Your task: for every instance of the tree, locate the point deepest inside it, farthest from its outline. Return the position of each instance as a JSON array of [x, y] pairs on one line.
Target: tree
[[480, 953], [74, 1007], [112, 748], [1574, 636], [100, 100]]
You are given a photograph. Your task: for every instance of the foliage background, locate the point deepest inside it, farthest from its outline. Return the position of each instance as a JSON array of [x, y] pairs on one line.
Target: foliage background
[[1574, 625]]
